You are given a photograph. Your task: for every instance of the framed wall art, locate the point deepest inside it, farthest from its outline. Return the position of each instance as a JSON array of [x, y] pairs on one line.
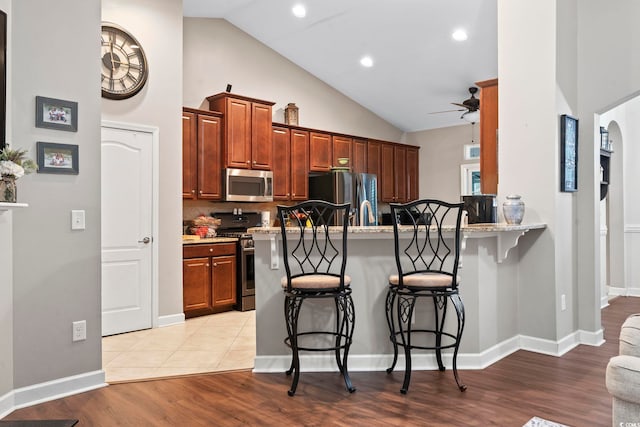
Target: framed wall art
[[568, 153], [57, 158], [56, 114]]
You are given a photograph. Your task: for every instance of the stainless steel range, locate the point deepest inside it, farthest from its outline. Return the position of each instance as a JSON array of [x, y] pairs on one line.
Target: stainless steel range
[[236, 225]]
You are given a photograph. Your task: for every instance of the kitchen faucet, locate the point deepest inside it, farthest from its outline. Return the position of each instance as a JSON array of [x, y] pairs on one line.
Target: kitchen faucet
[[367, 204]]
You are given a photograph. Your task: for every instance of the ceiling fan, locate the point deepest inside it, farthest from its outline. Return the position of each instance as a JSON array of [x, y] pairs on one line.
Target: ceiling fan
[[470, 106]]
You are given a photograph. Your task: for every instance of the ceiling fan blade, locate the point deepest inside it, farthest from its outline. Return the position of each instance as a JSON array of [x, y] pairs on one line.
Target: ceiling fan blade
[[446, 111], [466, 107]]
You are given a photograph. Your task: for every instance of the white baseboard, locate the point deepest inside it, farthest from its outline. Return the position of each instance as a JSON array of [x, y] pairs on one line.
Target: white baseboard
[[171, 319], [50, 390], [624, 292], [6, 404], [427, 361]]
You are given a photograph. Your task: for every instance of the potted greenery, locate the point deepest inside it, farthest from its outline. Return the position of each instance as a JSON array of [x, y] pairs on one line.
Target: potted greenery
[[13, 165]]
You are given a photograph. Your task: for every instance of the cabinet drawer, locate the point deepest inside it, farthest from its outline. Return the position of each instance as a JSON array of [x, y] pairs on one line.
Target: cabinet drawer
[[194, 251]]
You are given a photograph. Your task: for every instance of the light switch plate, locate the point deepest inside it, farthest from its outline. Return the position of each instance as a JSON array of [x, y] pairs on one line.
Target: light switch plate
[[77, 220]]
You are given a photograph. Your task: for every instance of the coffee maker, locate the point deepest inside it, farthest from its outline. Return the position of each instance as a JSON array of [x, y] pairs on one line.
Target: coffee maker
[[481, 208]]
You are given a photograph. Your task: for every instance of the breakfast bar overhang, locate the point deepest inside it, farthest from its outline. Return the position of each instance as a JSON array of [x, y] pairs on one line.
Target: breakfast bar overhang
[[488, 287]]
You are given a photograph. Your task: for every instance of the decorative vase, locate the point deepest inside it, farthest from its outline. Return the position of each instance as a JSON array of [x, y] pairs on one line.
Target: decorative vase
[[513, 209], [8, 189], [291, 114]]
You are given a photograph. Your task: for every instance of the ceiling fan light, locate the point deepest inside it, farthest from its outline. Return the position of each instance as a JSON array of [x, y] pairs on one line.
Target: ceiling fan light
[[471, 116]]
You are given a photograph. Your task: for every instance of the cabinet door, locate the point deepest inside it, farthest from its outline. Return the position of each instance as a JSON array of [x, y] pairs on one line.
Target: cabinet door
[[400, 172], [223, 272], [386, 177], [342, 147], [299, 165], [281, 163], [196, 285], [373, 163], [238, 133], [488, 136], [261, 144], [359, 150], [189, 155], [209, 157], [413, 173], [319, 152]]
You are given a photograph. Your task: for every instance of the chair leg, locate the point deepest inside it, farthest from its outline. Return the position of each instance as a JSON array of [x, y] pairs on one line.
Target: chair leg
[[439, 327], [346, 327], [391, 297], [405, 308], [292, 311], [457, 304]]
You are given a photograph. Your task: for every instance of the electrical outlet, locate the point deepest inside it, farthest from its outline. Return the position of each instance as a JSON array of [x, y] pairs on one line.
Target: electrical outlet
[[563, 302], [79, 330]]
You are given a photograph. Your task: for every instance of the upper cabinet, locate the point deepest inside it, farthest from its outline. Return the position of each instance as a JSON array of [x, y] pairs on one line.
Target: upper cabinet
[[320, 152], [290, 163], [397, 177], [201, 155], [359, 156], [488, 136], [342, 149], [246, 131]]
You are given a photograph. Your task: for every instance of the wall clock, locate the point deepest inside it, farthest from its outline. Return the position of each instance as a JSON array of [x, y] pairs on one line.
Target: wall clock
[[124, 64]]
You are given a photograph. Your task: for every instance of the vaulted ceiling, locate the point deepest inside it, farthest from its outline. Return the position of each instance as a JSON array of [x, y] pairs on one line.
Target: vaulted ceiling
[[418, 68]]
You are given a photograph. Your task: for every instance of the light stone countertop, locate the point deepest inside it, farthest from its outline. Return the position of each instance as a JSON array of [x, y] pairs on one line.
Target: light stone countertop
[[210, 240], [471, 228]]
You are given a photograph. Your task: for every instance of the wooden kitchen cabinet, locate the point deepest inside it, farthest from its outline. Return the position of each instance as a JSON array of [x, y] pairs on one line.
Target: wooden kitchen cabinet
[[299, 165], [290, 163], [395, 179], [209, 278], [488, 136], [201, 155], [320, 152], [413, 173], [281, 139], [247, 131], [359, 156], [189, 155], [342, 146]]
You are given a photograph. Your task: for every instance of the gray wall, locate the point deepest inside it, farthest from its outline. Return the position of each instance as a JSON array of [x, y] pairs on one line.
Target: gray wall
[[56, 271], [217, 53], [6, 264], [157, 24], [441, 155]]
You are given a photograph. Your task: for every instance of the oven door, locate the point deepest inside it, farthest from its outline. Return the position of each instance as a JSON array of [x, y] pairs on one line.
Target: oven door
[[247, 272]]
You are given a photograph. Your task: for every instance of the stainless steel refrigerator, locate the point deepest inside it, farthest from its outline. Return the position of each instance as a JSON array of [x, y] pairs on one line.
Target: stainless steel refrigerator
[[359, 189]]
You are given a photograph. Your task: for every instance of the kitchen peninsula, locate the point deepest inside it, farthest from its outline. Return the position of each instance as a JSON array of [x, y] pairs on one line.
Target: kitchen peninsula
[[489, 289]]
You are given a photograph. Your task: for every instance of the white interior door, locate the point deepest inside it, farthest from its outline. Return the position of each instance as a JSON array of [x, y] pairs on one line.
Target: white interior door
[[127, 224]]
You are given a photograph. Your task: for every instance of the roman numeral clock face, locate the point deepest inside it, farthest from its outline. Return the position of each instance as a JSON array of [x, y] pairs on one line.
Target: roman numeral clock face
[[124, 65]]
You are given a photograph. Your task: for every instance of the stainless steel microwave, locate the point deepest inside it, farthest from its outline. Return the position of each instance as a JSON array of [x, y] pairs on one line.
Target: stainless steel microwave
[[246, 185]]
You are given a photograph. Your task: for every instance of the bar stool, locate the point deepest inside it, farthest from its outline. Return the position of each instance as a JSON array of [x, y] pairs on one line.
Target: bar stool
[[315, 258], [427, 264]]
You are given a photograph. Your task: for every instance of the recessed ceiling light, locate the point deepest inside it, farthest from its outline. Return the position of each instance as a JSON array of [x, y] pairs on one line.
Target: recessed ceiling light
[[299, 11], [366, 61], [459, 35]]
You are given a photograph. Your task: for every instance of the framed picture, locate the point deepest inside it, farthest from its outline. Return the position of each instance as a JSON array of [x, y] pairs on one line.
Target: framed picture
[[568, 153], [471, 151], [57, 158], [56, 114]]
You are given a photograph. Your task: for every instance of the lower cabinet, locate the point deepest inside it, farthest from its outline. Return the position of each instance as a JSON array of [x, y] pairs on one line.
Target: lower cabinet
[[209, 278]]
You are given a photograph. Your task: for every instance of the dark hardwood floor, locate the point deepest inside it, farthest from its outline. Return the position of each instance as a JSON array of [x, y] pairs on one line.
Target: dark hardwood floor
[[569, 390]]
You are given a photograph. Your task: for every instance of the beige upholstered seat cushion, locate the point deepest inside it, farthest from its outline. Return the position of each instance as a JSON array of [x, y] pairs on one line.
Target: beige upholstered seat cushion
[[630, 336], [623, 378], [315, 281], [423, 280]]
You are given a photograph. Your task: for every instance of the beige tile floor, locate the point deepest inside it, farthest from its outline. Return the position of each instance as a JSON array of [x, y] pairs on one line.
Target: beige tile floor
[[218, 342]]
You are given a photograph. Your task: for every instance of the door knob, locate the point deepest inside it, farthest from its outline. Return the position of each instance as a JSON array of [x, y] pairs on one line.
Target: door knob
[[145, 240]]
